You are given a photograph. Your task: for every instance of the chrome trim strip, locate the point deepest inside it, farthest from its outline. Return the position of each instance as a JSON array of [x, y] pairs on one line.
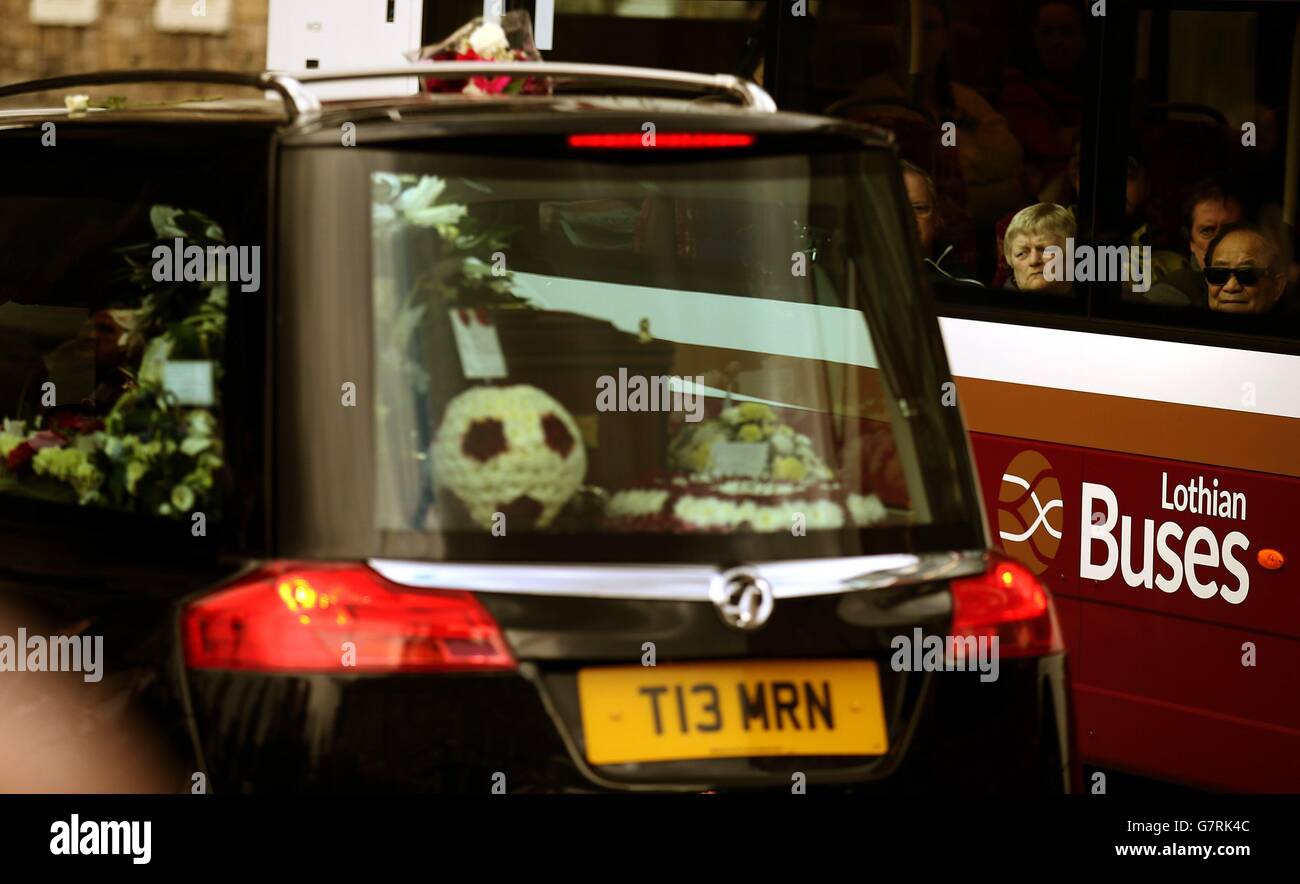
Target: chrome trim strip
[[686, 583]]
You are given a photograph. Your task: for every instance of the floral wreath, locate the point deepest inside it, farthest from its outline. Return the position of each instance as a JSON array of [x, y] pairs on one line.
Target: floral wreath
[[149, 454]]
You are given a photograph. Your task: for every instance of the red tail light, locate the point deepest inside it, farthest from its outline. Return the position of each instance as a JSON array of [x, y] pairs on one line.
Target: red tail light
[[1008, 602], [677, 140], [339, 618]]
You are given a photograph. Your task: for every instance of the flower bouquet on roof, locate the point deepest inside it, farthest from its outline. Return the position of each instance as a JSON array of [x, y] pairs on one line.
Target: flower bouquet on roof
[[481, 39]]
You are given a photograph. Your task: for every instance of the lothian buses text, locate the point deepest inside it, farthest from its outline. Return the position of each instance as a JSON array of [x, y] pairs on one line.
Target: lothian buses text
[[1201, 548]]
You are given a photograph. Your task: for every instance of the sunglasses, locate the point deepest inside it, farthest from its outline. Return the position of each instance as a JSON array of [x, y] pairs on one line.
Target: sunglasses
[[1245, 275]]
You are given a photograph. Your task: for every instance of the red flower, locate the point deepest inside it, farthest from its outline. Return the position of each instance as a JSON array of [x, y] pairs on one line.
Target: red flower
[[433, 84], [74, 423], [19, 457], [488, 85], [491, 85]]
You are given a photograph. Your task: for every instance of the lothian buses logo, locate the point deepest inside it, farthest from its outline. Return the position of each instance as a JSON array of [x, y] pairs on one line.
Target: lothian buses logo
[[1030, 511]]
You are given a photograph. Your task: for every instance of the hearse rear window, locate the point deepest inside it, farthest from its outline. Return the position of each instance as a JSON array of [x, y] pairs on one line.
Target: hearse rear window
[[706, 347]]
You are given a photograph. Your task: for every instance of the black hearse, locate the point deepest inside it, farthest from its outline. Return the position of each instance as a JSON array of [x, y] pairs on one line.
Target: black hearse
[[600, 439]]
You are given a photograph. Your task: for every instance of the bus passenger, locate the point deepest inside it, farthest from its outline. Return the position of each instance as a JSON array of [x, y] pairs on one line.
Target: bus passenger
[[1030, 233], [924, 198], [1244, 272], [1209, 207]]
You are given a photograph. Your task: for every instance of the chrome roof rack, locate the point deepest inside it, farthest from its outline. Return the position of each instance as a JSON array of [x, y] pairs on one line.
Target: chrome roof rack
[[749, 94], [302, 106]]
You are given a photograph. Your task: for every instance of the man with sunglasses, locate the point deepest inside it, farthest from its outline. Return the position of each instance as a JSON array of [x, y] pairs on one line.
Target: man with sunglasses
[[1243, 271]]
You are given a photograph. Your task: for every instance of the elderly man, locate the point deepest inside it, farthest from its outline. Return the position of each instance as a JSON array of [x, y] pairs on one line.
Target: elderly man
[[1243, 272], [924, 198], [1209, 208], [1031, 232]]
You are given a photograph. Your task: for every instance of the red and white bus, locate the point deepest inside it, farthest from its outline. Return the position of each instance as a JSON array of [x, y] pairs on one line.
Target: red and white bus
[[1144, 460]]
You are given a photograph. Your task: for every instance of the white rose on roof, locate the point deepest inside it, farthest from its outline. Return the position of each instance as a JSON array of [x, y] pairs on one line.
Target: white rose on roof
[[489, 40]]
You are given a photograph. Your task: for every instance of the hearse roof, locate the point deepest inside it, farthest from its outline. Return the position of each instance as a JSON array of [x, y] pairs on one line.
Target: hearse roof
[[728, 103]]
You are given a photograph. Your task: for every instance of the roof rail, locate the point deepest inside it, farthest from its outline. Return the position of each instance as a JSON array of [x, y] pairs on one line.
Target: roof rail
[[302, 106], [749, 94], [299, 103]]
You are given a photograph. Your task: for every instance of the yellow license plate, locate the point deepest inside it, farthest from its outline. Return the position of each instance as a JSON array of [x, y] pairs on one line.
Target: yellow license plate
[[731, 710]]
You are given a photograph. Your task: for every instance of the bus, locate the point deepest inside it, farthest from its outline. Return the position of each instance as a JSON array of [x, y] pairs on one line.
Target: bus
[[1137, 449], [1144, 458]]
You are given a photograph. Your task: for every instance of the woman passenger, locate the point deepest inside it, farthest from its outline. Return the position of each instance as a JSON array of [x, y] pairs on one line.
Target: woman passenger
[[1030, 234]]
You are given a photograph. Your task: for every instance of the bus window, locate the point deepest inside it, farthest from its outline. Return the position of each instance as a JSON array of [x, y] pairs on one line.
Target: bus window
[[988, 102], [1205, 177]]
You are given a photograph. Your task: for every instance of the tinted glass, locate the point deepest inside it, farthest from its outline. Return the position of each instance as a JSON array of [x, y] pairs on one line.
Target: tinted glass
[[711, 346], [119, 263]]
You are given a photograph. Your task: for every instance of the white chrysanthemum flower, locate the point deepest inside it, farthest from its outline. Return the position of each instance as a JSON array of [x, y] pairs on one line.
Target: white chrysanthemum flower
[[69, 465], [867, 509], [509, 450], [712, 512], [636, 502], [822, 514], [769, 519]]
